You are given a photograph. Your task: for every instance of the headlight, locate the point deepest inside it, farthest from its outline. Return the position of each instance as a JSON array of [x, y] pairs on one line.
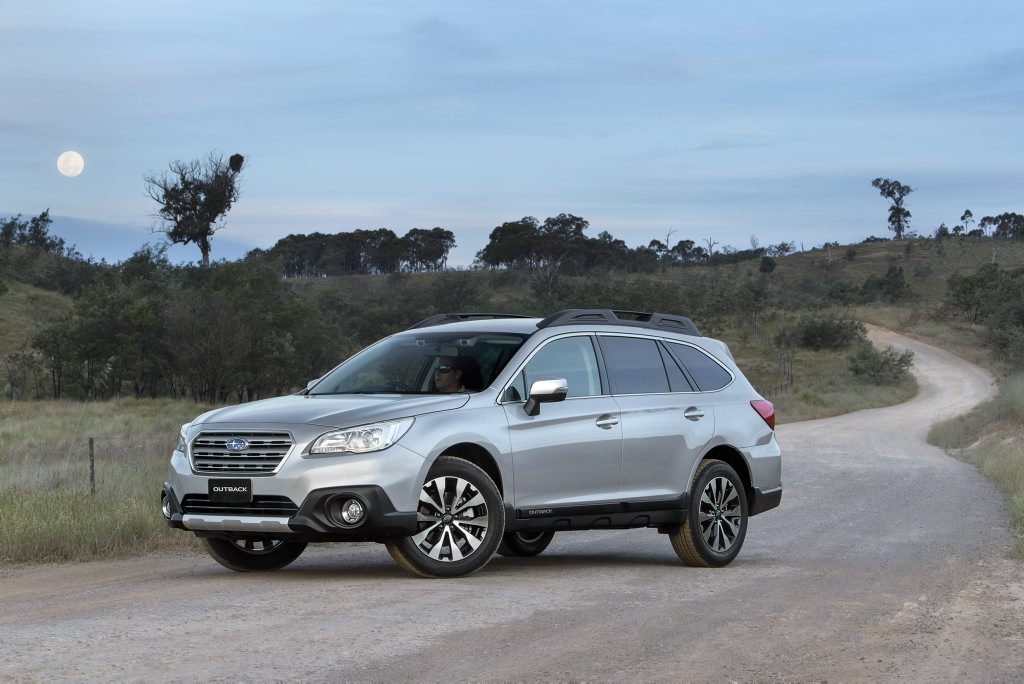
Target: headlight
[[361, 439], [181, 446]]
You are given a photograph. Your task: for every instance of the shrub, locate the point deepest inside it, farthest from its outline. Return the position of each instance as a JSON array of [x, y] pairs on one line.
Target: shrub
[[829, 331], [890, 288], [880, 366]]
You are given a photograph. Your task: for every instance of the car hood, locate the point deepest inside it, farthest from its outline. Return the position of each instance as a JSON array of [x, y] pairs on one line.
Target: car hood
[[333, 410]]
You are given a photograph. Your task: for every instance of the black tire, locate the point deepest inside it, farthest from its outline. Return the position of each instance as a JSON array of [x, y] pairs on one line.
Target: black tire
[[525, 543], [254, 555], [716, 521], [462, 519]]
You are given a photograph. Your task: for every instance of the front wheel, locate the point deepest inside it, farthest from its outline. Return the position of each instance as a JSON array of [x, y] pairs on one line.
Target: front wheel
[[254, 555], [716, 520], [460, 518], [526, 543]]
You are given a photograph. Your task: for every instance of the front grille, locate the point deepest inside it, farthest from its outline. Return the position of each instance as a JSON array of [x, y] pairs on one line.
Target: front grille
[[266, 506], [264, 454]]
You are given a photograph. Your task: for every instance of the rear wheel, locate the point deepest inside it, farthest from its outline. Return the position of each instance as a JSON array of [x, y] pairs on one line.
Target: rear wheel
[[461, 519], [525, 543], [716, 521], [254, 555]]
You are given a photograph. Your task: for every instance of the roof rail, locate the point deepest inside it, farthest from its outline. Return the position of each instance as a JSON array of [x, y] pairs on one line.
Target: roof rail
[[637, 319], [443, 319]]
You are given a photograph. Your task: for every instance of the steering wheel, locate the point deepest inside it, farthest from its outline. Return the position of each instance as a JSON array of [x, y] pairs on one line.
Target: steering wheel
[[401, 386]]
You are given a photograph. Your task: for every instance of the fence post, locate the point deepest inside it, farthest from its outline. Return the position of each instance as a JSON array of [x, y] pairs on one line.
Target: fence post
[[92, 468]]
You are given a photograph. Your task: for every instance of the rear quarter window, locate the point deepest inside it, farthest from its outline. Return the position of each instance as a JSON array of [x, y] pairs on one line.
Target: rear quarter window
[[705, 371]]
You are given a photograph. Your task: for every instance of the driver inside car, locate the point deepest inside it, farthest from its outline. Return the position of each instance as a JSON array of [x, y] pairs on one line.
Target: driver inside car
[[456, 374]]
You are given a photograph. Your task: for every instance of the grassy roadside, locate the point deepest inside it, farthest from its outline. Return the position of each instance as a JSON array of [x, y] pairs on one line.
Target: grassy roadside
[[47, 512], [992, 438]]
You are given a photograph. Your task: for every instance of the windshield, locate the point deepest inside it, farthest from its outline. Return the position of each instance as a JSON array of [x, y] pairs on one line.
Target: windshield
[[425, 363]]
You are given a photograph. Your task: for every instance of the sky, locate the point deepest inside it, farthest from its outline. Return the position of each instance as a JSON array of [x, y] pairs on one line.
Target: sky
[[720, 121]]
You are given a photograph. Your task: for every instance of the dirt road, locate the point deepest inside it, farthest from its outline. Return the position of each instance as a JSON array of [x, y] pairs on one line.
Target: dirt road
[[886, 560]]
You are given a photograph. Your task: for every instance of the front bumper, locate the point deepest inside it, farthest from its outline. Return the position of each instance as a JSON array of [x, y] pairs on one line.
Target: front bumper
[[301, 501], [317, 519]]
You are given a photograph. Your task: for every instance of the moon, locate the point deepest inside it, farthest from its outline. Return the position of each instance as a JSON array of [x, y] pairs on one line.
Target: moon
[[70, 163]]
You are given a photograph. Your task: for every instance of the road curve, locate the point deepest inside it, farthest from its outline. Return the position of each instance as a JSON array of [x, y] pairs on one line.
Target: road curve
[[886, 560]]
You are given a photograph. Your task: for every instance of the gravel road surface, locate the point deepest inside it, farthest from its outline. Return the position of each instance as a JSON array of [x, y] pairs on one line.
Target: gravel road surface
[[886, 560]]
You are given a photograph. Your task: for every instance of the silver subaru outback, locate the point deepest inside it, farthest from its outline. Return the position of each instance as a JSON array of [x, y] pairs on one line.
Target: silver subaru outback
[[474, 434]]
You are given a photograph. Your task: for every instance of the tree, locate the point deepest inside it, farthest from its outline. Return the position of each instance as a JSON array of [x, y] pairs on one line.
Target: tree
[[965, 223], [33, 233], [427, 250], [895, 192], [194, 198], [1008, 225], [513, 244]]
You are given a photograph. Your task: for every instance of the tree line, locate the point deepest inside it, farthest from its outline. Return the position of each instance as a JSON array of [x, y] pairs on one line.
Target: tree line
[[320, 255], [266, 324]]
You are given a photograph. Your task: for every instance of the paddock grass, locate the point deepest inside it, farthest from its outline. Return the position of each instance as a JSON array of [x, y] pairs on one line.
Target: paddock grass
[[47, 512], [992, 438]]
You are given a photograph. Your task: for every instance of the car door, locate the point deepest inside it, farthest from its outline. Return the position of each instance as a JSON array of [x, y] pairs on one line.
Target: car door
[[570, 453], [666, 424]]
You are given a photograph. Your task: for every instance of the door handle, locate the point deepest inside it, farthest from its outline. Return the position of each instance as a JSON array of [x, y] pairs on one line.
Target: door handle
[[607, 422], [693, 413]]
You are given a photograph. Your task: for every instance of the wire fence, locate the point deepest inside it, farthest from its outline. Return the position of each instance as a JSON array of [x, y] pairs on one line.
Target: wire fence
[[783, 360], [91, 466]]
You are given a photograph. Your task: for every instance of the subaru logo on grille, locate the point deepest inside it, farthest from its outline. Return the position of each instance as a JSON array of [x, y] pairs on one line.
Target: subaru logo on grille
[[237, 444]]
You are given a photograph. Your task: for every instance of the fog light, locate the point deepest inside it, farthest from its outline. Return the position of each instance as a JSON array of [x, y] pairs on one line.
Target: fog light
[[352, 512], [165, 505]]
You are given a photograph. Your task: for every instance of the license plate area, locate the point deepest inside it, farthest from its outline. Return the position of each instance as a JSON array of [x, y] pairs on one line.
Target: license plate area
[[230, 491]]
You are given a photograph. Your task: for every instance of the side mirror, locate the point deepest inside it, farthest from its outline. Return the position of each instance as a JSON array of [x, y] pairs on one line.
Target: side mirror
[[543, 391]]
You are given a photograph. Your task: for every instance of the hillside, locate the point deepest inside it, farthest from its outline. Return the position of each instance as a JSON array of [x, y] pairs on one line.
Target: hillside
[[24, 309], [293, 329]]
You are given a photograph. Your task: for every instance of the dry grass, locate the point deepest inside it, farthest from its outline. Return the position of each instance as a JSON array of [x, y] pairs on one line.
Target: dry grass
[[46, 509]]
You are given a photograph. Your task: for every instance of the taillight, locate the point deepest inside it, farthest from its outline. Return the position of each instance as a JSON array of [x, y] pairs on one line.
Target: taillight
[[766, 410]]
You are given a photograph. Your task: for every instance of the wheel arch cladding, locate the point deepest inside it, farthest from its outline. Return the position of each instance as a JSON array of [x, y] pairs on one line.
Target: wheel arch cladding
[[734, 459], [480, 457]]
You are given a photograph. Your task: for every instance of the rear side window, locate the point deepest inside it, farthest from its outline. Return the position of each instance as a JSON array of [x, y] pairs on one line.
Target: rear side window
[[634, 365], [705, 371], [676, 379]]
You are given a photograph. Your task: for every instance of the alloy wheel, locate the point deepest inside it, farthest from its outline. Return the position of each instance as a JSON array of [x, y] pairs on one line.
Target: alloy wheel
[[720, 515], [452, 519]]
